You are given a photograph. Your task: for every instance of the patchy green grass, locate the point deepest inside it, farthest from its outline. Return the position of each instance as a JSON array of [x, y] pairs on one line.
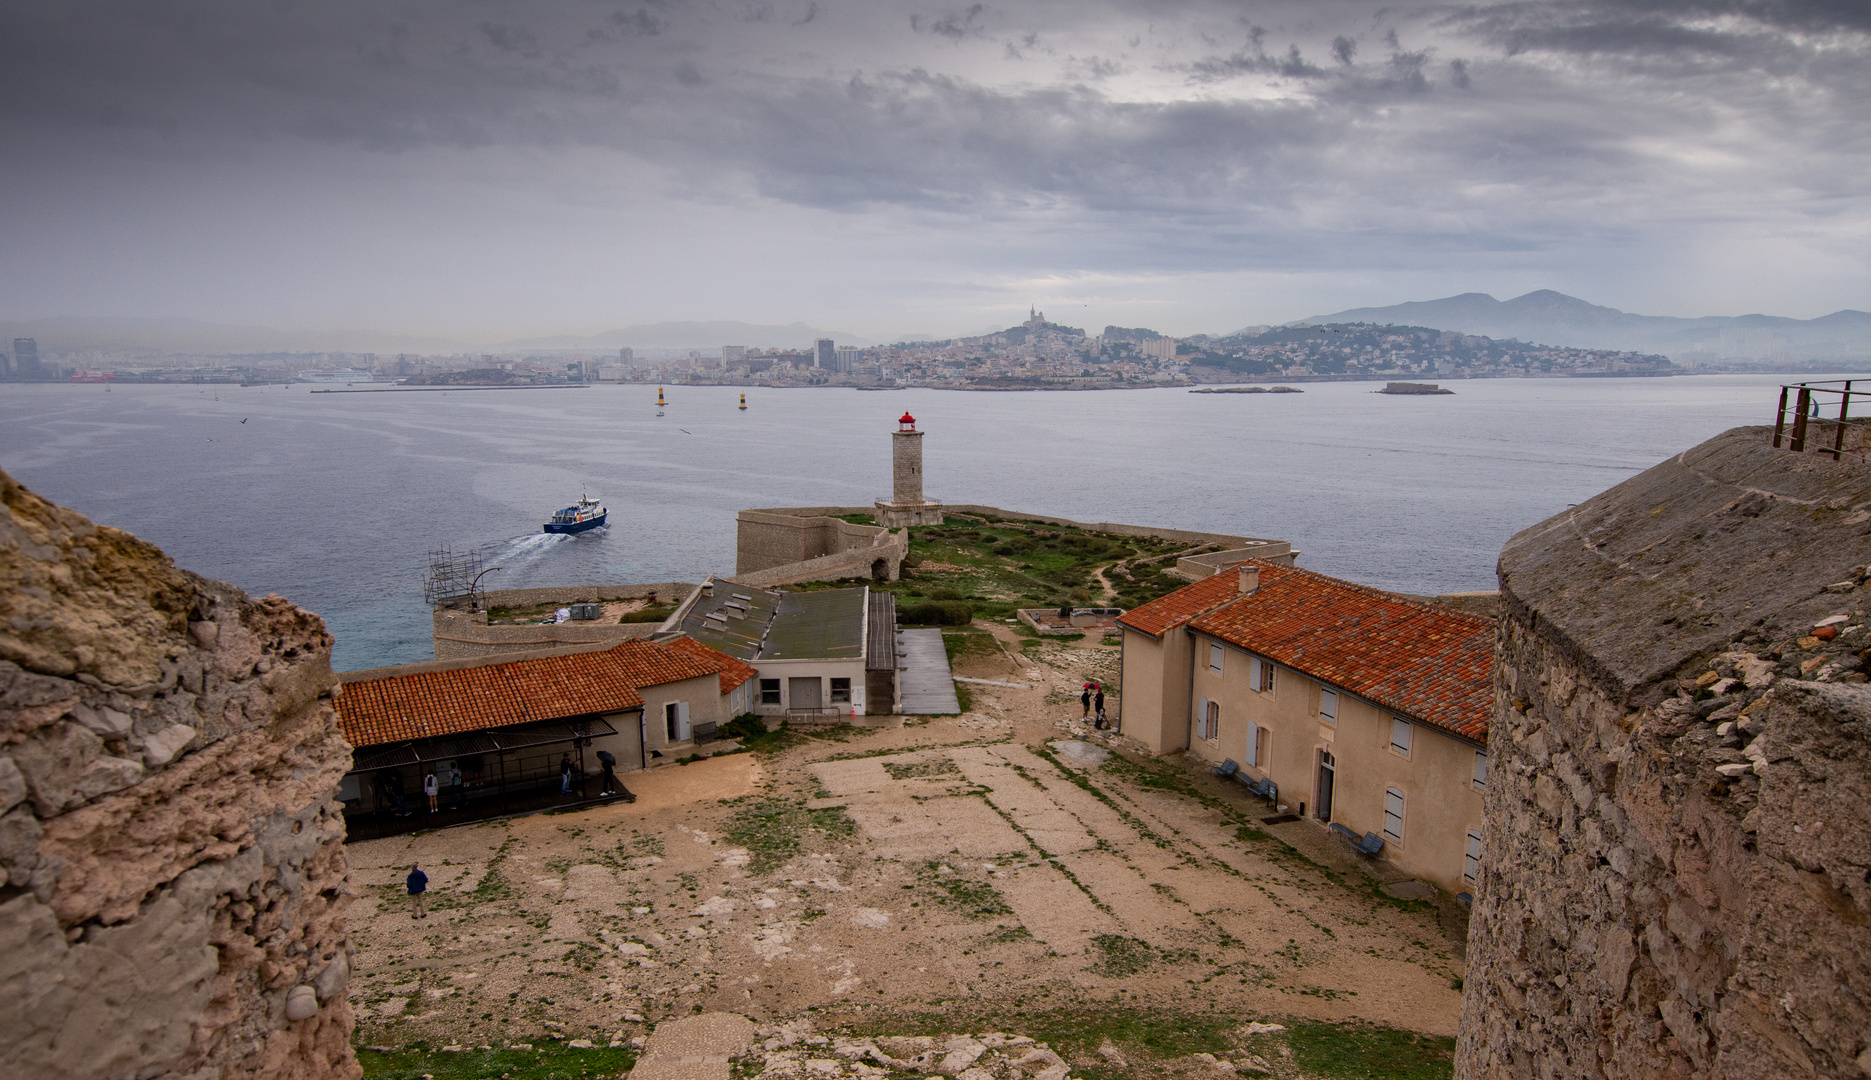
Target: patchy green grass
[[966, 642], [968, 898], [911, 770], [550, 1061], [1119, 956], [774, 830], [1150, 1036], [1369, 1052], [999, 565]]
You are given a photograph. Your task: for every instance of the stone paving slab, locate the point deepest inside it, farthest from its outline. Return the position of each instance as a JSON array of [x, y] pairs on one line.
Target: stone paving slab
[[695, 1048]]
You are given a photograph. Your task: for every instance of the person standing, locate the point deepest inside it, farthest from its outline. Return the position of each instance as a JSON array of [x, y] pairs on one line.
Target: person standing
[[432, 788], [1084, 700], [565, 774], [418, 883], [1097, 704]]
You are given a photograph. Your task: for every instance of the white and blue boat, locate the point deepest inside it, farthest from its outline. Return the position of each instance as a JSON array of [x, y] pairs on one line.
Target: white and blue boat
[[588, 514]]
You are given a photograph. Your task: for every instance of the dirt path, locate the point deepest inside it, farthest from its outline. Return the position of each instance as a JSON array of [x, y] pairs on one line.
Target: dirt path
[[969, 865]]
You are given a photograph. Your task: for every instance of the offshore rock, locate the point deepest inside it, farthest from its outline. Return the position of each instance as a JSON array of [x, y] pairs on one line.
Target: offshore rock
[[171, 853]]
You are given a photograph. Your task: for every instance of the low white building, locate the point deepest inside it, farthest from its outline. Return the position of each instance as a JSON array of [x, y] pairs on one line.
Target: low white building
[[809, 648]]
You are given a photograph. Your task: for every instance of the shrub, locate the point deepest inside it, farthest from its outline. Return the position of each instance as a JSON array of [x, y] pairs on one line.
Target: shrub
[[944, 594], [936, 613]]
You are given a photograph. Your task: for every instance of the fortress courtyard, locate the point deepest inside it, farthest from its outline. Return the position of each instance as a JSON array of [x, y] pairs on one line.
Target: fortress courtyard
[[988, 872]]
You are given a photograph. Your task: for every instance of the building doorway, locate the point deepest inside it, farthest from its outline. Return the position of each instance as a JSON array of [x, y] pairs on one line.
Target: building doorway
[[1328, 768], [805, 693]]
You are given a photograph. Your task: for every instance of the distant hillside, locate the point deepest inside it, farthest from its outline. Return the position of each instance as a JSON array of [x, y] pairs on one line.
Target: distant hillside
[[1552, 318], [1368, 350]]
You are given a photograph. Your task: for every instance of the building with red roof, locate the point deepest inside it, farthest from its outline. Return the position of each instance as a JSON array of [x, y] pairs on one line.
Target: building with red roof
[[1362, 710], [503, 727]]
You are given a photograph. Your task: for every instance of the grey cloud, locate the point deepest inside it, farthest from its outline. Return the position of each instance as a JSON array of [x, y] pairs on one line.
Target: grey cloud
[[1272, 159], [955, 25]]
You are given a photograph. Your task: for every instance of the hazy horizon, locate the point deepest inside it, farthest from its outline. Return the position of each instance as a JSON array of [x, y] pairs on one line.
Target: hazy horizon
[[488, 171]]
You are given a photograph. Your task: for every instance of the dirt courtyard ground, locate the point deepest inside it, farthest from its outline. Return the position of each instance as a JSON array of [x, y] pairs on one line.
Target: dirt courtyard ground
[[992, 872]]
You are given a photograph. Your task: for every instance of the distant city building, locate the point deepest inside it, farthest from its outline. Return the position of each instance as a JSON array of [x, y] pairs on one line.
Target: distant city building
[[824, 354], [847, 358], [1163, 348], [733, 355], [627, 357], [26, 358]]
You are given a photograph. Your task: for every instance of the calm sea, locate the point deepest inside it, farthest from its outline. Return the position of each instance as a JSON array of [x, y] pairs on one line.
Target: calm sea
[[334, 499]]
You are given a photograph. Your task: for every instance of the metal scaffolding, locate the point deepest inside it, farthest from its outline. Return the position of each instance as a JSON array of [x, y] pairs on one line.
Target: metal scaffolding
[[450, 578]]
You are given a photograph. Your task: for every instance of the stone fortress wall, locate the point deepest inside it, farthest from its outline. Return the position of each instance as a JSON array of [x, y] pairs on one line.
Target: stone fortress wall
[[172, 871], [1677, 875], [460, 634]]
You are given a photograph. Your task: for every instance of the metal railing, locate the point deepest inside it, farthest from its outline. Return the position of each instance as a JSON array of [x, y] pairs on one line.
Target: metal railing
[[1811, 416]]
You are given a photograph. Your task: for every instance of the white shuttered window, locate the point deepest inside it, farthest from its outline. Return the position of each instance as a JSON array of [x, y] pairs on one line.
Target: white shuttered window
[[1328, 706], [1400, 732]]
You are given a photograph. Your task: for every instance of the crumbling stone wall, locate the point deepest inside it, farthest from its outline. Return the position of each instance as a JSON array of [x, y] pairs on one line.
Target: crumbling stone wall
[[1677, 873], [172, 873]]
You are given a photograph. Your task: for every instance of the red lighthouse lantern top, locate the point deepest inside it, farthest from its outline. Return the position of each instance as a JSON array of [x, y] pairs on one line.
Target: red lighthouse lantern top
[[906, 422]]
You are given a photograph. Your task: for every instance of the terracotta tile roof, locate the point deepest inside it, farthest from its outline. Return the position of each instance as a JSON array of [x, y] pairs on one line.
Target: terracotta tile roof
[[426, 704], [734, 672], [1424, 662], [1168, 612], [431, 703]]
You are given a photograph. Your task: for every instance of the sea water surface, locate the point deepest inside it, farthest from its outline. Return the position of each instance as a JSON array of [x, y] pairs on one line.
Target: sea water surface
[[333, 499]]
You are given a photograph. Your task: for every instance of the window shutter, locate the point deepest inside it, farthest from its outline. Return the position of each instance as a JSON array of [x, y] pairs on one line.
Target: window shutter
[[1201, 715], [1253, 744], [1253, 672]]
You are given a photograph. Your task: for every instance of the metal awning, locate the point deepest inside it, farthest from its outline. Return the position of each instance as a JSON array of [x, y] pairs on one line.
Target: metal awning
[[470, 743]]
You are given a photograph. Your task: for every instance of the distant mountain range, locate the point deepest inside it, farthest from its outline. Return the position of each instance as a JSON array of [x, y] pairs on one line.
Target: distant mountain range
[[194, 336], [1551, 318]]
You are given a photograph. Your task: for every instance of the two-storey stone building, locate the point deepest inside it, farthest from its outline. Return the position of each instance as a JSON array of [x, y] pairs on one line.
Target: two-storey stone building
[[1361, 708]]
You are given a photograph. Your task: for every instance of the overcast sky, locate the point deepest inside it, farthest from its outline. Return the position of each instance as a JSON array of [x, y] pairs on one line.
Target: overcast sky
[[485, 170]]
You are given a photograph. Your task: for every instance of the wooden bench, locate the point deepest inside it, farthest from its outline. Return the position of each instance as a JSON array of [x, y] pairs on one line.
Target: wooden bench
[[1369, 844], [1227, 769]]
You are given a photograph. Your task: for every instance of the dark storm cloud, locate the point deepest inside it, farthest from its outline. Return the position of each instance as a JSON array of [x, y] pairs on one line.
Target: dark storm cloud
[[1123, 133]]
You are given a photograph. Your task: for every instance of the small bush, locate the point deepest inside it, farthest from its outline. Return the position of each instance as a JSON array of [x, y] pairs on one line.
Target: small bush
[[936, 613], [944, 594]]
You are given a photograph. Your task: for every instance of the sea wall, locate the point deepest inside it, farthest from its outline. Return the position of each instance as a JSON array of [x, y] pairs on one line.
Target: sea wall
[[462, 635], [1677, 873], [172, 872], [665, 592]]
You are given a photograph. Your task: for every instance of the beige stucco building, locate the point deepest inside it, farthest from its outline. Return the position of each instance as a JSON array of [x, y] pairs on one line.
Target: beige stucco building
[[1362, 709]]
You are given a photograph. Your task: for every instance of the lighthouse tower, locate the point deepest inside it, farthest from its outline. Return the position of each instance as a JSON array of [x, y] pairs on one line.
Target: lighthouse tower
[[906, 505]]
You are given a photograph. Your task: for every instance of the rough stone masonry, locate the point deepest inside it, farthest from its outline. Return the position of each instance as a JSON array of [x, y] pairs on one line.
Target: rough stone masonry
[[172, 873], [1678, 863]]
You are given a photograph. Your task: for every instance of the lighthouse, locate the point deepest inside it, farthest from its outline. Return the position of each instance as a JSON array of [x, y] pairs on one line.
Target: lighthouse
[[906, 505]]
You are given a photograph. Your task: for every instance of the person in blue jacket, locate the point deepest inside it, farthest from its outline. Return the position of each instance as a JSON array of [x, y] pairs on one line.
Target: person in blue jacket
[[418, 883]]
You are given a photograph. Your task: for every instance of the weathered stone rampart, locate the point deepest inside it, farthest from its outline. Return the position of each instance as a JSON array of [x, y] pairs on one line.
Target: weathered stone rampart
[[1677, 874], [172, 873]]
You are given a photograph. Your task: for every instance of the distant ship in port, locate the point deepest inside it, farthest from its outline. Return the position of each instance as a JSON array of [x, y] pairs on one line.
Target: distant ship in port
[[588, 514]]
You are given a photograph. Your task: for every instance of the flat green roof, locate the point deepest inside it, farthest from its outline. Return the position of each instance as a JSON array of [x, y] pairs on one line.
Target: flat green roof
[[818, 626], [730, 631]]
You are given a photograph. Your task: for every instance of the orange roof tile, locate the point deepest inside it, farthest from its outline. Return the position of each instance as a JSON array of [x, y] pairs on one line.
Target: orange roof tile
[[1425, 662], [426, 704], [734, 671], [1171, 611]]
